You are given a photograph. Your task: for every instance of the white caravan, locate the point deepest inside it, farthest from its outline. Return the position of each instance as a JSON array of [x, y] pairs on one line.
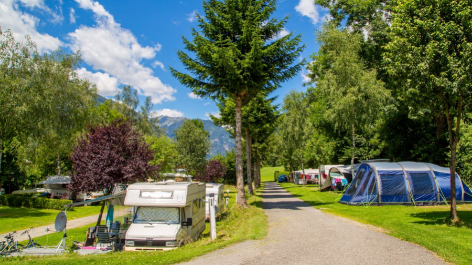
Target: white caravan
[[166, 214], [218, 193]]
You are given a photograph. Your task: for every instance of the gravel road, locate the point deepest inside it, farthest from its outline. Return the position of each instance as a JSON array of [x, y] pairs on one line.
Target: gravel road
[[301, 234]]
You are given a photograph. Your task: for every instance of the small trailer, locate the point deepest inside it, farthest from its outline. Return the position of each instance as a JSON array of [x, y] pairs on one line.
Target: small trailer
[[166, 214], [218, 193]]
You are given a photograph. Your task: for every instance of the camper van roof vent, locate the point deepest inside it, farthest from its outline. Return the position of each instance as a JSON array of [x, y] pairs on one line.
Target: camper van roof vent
[[170, 180]]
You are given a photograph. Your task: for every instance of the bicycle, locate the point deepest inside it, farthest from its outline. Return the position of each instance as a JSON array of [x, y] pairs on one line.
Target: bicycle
[[10, 245], [31, 243]]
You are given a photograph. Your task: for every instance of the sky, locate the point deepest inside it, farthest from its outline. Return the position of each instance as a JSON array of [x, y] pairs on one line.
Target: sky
[[135, 42]]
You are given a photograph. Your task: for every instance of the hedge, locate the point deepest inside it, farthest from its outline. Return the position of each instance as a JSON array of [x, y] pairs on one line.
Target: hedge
[[25, 200]]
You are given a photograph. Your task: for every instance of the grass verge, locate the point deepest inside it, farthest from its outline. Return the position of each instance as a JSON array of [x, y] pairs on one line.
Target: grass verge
[[17, 219], [236, 226]]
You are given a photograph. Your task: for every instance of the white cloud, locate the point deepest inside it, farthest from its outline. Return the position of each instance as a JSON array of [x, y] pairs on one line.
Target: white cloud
[[107, 85], [307, 8], [192, 16], [193, 96], [22, 23], [157, 63], [284, 32], [305, 78], [214, 113], [115, 50], [72, 16], [207, 103], [167, 112], [326, 18]]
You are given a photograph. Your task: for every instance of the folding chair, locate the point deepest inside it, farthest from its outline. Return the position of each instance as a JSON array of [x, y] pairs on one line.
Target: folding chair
[[103, 238]]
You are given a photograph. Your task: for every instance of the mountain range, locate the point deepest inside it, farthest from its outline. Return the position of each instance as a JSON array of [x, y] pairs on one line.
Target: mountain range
[[220, 139]]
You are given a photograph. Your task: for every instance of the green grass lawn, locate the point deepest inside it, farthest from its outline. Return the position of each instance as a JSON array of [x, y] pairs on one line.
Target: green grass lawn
[[267, 173], [17, 219], [236, 226]]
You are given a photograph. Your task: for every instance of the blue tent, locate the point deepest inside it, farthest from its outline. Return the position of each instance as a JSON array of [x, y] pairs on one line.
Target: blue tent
[[403, 183]]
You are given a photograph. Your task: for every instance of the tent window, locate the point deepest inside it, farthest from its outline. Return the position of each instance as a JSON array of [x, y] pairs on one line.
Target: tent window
[[372, 190], [364, 185], [356, 183], [422, 183], [393, 184]]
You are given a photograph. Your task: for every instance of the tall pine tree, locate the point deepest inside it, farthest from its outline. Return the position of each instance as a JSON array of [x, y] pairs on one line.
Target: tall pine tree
[[238, 54]]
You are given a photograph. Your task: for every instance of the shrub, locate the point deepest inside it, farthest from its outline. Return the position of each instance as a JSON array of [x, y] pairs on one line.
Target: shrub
[[25, 200]]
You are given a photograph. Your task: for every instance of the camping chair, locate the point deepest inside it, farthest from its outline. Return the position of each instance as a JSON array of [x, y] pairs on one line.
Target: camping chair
[[115, 236], [103, 238]]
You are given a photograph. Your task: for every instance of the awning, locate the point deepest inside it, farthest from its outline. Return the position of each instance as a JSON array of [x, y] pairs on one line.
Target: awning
[[120, 194], [56, 180]]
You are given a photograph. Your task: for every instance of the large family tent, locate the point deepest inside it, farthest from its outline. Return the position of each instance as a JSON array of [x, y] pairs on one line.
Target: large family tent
[[403, 183]]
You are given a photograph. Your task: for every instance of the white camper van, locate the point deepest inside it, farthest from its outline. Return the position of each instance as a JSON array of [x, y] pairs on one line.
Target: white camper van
[[165, 214], [218, 192]]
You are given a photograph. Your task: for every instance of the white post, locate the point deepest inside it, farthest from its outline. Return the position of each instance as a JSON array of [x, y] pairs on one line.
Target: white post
[[212, 219]]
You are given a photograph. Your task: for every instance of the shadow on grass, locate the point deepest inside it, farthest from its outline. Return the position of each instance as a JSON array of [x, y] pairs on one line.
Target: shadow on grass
[[442, 217]]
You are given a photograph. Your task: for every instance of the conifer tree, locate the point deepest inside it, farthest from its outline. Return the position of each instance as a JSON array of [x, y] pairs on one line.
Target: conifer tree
[[236, 55]]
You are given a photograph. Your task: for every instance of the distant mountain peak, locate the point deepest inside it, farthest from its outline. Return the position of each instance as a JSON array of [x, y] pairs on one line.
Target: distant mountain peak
[[219, 137]]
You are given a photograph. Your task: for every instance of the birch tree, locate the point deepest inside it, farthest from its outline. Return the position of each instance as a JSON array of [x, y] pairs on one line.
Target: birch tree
[[353, 95]]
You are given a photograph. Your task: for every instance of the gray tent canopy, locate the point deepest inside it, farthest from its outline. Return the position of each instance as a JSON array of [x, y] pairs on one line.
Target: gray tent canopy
[[56, 180]]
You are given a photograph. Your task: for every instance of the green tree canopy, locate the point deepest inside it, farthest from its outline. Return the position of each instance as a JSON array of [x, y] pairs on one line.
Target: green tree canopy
[[193, 146], [352, 94], [431, 52]]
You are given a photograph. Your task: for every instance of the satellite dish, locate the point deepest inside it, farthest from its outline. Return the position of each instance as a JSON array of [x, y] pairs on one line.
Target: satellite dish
[[61, 220]]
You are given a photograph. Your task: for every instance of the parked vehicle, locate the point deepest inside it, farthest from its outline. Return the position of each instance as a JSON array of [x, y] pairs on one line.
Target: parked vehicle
[[218, 194], [166, 214], [282, 178]]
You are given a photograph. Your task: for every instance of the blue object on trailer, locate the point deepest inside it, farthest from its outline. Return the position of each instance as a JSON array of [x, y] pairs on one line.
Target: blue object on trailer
[[282, 178]]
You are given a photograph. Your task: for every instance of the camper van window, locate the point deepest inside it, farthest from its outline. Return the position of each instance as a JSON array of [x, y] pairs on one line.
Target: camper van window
[[195, 206], [156, 194], [157, 215]]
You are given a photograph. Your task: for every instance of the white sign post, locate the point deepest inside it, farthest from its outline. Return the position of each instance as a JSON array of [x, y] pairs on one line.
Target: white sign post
[[212, 219]]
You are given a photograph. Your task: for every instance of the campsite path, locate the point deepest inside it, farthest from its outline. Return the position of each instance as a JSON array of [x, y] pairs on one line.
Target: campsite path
[[74, 223], [301, 234]]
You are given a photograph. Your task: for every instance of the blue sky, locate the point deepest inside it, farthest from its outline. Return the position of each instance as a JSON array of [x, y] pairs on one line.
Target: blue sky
[[134, 43]]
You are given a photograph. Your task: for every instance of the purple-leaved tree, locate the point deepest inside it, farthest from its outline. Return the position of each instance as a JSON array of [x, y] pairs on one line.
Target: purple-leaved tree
[[108, 155], [213, 172]]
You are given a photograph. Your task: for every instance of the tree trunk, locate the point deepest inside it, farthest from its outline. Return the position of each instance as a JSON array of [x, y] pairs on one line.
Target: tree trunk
[[1, 153], [59, 171], [303, 169], [101, 213], [353, 150], [454, 139], [240, 198], [248, 162], [290, 173], [257, 170]]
